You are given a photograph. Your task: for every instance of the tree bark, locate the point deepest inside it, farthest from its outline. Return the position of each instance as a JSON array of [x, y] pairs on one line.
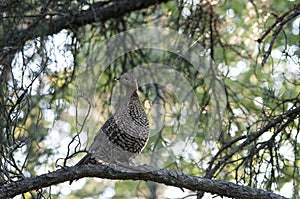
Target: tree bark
[[145, 173]]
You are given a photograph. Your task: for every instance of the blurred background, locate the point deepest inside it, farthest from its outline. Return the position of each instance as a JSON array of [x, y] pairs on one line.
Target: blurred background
[[218, 79]]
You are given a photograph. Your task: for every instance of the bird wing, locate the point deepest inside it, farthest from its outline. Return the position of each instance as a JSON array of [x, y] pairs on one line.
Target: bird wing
[[113, 133], [102, 137]]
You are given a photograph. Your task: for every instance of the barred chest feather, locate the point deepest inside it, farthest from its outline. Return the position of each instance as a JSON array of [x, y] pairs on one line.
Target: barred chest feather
[[128, 128]]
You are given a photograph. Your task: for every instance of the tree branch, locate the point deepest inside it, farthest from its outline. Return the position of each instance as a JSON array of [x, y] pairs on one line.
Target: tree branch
[[279, 23], [289, 115], [145, 173], [48, 24]]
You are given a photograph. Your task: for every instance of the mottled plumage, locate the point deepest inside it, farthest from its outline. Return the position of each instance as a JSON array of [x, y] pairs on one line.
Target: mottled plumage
[[124, 135]]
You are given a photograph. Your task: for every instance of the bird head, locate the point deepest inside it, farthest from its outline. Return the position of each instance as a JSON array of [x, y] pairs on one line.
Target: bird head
[[128, 81]]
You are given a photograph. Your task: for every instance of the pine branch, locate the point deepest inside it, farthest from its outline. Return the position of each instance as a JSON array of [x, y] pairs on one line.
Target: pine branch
[[48, 24], [145, 173]]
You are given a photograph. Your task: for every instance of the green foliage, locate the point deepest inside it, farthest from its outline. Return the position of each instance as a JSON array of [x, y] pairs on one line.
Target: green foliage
[[51, 107]]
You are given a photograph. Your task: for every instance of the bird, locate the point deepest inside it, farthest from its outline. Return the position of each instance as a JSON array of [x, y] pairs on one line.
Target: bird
[[125, 133]]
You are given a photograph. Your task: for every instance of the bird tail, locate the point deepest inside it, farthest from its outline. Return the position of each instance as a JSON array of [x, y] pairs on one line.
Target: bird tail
[[86, 159]]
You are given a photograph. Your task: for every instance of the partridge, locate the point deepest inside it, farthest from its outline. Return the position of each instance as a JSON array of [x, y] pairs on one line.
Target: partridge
[[125, 134]]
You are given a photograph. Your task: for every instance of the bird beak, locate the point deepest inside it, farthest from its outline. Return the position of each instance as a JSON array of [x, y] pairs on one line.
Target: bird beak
[[117, 78]]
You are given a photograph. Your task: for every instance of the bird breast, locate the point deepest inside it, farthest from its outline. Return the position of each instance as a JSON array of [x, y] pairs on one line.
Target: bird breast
[[131, 126]]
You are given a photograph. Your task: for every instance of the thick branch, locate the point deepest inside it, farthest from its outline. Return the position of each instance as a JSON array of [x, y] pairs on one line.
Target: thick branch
[[75, 18], [145, 173]]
